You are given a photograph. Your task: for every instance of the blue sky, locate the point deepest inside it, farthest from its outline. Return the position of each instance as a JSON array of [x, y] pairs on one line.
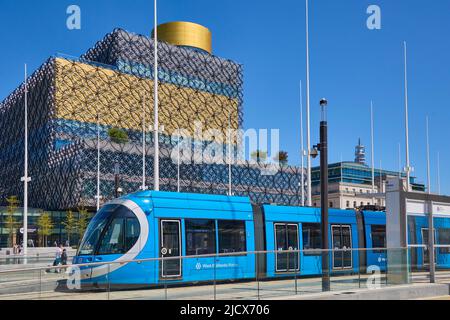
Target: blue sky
[[350, 65]]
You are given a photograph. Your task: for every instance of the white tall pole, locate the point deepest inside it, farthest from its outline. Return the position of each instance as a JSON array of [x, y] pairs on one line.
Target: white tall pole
[[156, 124], [230, 150], [399, 161], [25, 178], [308, 128], [178, 163], [98, 162], [372, 151], [438, 172], [302, 183], [381, 177], [372, 142], [408, 168], [428, 158], [144, 187]]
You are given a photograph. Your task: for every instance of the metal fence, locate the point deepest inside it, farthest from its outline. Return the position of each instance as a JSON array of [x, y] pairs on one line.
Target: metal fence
[[264, 275]]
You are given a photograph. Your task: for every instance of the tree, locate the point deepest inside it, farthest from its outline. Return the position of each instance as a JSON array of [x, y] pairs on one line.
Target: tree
[[10, 221], [259, 156], [45, 226], [118, 135], [282, 157], [70, 224], [82, 223]]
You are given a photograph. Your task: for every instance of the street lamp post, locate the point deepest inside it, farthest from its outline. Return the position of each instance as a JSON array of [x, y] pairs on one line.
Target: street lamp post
[[323, 148], [25, 179], [98, 196]]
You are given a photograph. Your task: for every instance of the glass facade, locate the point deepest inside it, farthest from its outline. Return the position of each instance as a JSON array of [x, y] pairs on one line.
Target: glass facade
[[58, 233], [351, 172]]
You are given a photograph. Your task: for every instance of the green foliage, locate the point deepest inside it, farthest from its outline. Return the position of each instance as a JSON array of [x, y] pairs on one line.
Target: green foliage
[[282, 157], [70, 224], [10, 221], [82, 222], [259, 156], [45, 226], [118, 135]]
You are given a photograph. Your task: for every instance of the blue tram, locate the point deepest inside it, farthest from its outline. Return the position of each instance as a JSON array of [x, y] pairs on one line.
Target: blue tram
[[418, 235], [190, 229]]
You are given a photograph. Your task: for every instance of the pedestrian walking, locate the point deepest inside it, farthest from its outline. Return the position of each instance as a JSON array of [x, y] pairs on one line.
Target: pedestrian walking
[[64, 258], [59, 251]]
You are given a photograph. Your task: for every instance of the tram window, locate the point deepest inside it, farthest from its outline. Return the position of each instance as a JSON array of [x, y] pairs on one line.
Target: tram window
[[444, 239], [132, 232], [378, 233], [311, 238], [95, 229], [113, 240], [232, 236], [200, 237]]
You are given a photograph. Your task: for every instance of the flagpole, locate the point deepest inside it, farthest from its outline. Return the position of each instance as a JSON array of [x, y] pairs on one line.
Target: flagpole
[[178, 162], [308, 128], [372, 152], [230, 172], [438, 172], [156, 116], [408, 168], [302, 184], [144, 187], [98, 162], [428, 158]]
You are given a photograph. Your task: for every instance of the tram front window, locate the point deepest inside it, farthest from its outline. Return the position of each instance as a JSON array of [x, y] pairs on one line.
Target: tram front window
[[94, 230], [114, 230], [112, 241]]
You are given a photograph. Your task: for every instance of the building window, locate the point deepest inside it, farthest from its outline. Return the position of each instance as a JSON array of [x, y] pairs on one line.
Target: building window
[[331, 204], [315, 204], [200, 237], [362, 203], [354, 204], [232, 236], [348, 204]]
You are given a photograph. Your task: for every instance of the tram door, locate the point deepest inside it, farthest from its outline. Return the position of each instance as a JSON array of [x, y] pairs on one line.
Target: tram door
[[170, 247], [342, 240], [286, 238]]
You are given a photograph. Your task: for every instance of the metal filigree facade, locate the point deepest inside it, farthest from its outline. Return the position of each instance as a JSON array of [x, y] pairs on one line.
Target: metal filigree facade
[[110, 87]]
